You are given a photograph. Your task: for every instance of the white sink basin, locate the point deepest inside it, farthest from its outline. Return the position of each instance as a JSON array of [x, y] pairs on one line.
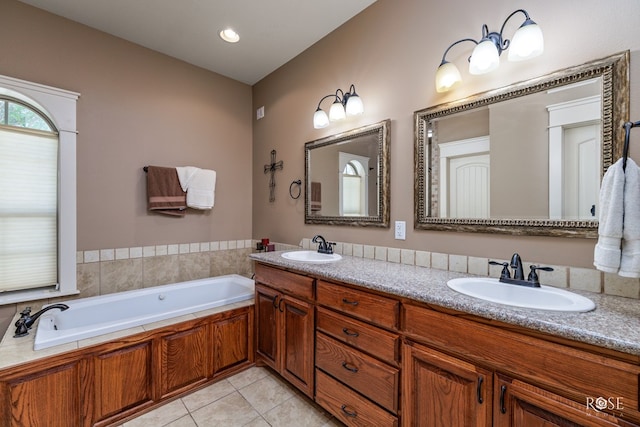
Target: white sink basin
[[542, 298], [311, 257]]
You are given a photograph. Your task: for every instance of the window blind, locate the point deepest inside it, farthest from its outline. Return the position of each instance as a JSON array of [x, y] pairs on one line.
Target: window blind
[[28, 210]]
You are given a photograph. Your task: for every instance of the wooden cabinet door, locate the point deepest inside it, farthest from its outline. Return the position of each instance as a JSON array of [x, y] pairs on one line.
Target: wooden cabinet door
[[184, 359], [440, 390], [50, 398], [517, 404], [266, 325], [233, 342], [123, 380], [297, 354]]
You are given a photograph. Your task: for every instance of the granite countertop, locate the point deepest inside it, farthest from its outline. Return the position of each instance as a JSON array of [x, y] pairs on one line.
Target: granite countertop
[[614, 324]]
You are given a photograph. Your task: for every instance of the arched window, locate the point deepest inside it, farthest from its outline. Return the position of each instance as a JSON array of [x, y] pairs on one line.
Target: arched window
[[37, 201]]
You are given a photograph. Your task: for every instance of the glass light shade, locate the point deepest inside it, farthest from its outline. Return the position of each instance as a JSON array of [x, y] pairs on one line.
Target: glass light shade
[[447, 77], [527, 42], [354, 106], [320, 119], [485, 58], [336, 112]]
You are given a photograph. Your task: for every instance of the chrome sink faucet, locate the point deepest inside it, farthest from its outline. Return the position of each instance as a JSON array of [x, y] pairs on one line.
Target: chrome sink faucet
[[324, 247], [518, 272]]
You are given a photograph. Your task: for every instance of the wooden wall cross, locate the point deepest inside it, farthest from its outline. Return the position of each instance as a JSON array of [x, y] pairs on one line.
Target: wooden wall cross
[[273, 167]]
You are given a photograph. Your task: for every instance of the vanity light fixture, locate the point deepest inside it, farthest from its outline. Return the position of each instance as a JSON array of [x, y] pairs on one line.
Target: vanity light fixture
[[344, 104], [229, 35], [526, 43]]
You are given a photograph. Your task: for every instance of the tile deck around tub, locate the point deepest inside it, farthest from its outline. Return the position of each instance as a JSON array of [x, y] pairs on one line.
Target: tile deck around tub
[[255, 397]]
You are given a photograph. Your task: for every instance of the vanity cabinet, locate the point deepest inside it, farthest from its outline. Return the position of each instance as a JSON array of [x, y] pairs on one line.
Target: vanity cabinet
[[285, 325], [440, 390], [449, 363], [357, 355]]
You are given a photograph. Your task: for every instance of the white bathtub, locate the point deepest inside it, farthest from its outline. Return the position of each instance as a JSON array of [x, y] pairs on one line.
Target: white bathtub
[[89, 317]]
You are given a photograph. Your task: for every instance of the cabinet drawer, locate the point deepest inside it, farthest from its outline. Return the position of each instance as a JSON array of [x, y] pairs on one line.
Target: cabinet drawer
[[370, 339], [373, 308], [374, 379], [349, 407], [576, 374], [285, 281]]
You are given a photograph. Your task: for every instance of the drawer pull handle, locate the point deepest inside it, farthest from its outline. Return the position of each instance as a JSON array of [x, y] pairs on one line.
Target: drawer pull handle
[[479, 389], [346, 301], [349, 333], [503, 391], [346, 366], [347, 412]]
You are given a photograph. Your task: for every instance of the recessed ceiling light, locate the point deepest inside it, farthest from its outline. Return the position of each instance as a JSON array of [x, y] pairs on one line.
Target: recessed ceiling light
[[229, 35]]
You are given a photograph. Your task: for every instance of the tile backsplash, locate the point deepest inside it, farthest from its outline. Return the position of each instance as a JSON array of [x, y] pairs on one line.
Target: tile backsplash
[[563, 276], [105, 271]]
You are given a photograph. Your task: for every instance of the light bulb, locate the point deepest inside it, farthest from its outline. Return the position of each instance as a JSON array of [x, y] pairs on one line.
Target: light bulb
[[354, 105], [336, 112]]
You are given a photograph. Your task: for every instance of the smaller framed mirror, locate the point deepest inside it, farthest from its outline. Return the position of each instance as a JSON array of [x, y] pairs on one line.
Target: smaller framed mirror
[[347, 177]]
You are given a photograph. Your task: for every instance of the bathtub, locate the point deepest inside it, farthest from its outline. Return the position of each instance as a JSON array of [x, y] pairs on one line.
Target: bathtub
[[89, 317]]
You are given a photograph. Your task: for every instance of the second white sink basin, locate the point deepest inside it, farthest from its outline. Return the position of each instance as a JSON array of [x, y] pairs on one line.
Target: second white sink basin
[[311, 257], [542, 298]]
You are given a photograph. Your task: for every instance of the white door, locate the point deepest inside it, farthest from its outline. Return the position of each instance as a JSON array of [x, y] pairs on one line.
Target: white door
[[581, 172], [469, 186]]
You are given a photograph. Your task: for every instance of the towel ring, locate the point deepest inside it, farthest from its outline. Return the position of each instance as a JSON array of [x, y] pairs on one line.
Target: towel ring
[[299, 184]]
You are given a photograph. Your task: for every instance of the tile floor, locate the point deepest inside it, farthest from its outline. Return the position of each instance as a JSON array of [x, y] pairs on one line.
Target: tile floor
[[255, 397]]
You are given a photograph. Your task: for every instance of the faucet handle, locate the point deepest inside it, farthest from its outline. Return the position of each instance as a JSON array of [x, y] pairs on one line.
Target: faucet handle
[[505, 274], [533, 276]]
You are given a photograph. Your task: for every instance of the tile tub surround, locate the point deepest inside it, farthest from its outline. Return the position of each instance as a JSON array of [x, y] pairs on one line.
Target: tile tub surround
[[614, 324], [105, 271]]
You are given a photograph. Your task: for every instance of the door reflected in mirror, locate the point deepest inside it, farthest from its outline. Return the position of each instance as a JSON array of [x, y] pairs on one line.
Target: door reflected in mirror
[[347, 178]]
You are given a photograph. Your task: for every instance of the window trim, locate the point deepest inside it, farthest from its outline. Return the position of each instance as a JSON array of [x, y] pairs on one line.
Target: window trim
[[59, 106]]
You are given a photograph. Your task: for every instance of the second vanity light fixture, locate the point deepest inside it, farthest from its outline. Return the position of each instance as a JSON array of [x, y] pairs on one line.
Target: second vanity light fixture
[[344, 104], [526, 43]]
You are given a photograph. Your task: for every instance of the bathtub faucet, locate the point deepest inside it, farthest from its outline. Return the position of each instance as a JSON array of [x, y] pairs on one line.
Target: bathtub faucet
[[26, 320]]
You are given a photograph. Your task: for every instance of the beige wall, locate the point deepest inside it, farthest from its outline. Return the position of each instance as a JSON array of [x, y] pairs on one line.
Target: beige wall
[[390, 52], [137, 107]]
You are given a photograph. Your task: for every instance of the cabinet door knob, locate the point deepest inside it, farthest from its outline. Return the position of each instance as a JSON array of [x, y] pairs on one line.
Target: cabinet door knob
[[274, 303], [479, 389], [346, 366], [347, 412], [349, 333], [346, 301]]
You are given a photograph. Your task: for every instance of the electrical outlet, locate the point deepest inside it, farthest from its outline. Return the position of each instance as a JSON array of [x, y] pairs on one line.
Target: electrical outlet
[[401, 230], [260, 113]]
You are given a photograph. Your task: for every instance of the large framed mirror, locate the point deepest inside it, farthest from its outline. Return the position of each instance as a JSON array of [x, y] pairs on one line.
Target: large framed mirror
[[347, 177], [525, 159]]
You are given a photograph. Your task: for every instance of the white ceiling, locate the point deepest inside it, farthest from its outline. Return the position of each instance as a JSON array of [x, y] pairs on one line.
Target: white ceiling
[[272, 32]]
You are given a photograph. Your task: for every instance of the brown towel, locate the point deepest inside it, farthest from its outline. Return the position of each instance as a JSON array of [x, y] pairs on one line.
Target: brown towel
[[164, 193], [316, 196]]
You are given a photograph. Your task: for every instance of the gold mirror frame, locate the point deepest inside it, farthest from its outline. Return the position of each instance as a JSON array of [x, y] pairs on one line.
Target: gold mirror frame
[[614, 71], [383, 132]]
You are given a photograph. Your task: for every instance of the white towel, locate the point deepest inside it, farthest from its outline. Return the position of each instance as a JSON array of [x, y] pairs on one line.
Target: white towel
[[607, 252], [200, 185], [630, 261], [185, 175]]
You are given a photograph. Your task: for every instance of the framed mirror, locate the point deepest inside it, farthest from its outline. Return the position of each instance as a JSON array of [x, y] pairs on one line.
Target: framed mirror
[[347, 177], [526, 159]]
